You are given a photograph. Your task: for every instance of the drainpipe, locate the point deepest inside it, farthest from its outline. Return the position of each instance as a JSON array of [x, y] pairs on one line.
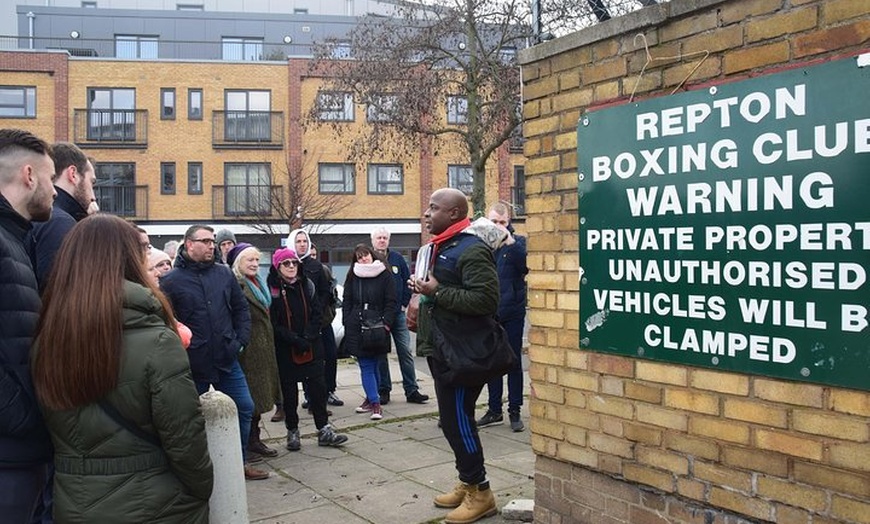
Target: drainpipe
[[30, 17]]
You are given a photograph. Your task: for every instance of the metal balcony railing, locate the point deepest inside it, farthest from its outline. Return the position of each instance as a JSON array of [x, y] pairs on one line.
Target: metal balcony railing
[[257, 202], [123, 200], [111, 128], [248, 129]]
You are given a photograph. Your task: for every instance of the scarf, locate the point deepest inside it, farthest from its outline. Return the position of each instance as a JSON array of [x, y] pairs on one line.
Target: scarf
[[369, 270], [450, 232], [258, 287]]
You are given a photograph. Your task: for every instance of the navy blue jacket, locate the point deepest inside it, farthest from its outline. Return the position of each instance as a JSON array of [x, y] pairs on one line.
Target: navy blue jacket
[[24, 440], [398, 268], [208, 299], [510, 262], [46, 237]]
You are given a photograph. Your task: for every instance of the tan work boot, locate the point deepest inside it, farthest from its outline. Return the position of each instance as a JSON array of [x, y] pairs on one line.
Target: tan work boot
[[453, 498], [477, 504]]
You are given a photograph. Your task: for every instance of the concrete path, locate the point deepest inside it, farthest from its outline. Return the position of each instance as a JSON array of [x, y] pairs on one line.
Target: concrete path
[[389, 470]]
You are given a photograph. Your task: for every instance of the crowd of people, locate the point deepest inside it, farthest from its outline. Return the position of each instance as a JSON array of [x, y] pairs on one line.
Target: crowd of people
[[106, 343]]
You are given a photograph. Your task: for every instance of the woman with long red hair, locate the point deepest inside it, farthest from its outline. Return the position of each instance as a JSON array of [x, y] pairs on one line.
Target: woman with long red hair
[[115, 387]]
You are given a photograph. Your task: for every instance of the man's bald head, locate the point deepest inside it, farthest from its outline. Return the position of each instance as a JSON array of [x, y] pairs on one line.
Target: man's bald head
[[447, 206], [451, 197]]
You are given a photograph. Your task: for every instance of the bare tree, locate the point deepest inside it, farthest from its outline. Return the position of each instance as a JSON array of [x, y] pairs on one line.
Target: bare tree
[[294, 198], [559, 17], [454, 59]]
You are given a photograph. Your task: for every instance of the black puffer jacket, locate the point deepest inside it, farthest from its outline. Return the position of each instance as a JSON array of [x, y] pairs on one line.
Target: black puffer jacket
[[46, 237], [379, 293], [23, 438]]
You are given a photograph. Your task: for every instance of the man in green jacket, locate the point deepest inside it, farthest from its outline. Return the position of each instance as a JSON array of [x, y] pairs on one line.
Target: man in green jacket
[[456, 277]]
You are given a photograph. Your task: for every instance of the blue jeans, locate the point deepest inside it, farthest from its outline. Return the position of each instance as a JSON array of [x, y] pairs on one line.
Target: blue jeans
[[21, 492], [514, 330], [402, 338], [234, 385], [368, 371]]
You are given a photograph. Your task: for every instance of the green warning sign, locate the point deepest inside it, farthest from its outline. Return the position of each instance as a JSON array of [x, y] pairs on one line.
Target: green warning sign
[[729, 227]]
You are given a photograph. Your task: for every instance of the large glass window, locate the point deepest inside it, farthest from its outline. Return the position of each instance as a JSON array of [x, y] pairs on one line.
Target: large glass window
[[336, 178], [167, 103], [381, 107], [135, 46], [461, 178], [457, 110], [341, 50], [194, 178], [115, 189], [247, 116], [17, 102], [235, 48], [194, 104], [111, 114], [335, 106], [385, 179], [248, 189]]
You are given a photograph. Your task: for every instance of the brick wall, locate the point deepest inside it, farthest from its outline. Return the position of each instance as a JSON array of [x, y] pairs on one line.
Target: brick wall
[[624, 440], [49, 73]]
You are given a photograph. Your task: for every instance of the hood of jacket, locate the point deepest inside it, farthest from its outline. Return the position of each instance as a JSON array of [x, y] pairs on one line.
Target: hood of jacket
[[141, 307], [492, 235], [291, 243]]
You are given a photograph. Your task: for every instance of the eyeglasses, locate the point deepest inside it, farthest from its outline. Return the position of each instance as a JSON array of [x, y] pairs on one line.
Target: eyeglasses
[[204, 241], [289, 263]]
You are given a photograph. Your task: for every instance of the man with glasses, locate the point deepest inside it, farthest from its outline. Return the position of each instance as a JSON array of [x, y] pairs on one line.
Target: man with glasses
[[207, 299]]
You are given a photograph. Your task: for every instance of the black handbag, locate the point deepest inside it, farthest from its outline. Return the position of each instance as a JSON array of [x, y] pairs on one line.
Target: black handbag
[[471, 350], [374, 337]]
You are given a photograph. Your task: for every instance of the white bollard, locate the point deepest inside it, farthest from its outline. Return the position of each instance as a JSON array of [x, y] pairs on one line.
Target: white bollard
[[229, 499]]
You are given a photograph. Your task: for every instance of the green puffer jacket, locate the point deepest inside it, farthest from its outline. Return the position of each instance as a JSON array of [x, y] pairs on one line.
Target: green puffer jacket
[[105, 473], [467, 285]]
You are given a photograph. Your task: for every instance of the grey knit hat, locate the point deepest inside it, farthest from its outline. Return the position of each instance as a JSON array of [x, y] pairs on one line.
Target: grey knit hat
[[224, 235]]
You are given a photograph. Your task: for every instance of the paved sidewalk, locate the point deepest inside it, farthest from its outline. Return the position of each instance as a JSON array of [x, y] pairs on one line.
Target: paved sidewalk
[[389, 470]]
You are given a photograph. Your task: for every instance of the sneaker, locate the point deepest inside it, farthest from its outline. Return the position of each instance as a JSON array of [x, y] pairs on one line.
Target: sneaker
[[252, 473], [377, 414], [293, 443], [417, 398], [333, 400], [490, 419], [365, 407], [385, 397], [516, 423], [328, 437], [305, 404]]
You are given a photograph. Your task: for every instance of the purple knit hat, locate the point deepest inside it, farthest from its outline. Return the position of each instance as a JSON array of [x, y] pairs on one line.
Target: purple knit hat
[[280, 255], [234, 253]]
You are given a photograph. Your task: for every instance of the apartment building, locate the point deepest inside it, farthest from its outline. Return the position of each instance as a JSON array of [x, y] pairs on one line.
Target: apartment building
[[228, 140]]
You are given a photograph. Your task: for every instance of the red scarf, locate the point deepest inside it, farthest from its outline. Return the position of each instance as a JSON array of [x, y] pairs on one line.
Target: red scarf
[[450, 232]]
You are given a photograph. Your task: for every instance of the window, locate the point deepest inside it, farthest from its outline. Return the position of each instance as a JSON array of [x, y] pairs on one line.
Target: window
[[385, 179], [335, 106], [167, 178], [194, 178], [381, 107], [189, 7], [111, 114], [461, 178], [194, 104], [242, 48], [300, 11], [248, 189], [115, 189], [518, 192], [457, 110], [247, 116], [336, 178], [89, 3], [167, 103], [135, 46], [341, 50], [17, 102], [508, 55]]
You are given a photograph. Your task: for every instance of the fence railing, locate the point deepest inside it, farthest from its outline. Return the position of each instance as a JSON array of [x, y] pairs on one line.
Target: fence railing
[[248, 129], [117, 128]]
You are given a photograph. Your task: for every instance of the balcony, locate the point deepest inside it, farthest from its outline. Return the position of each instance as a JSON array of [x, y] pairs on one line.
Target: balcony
[[247, 130], [123, 200], [255, 202], [111, 128]]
